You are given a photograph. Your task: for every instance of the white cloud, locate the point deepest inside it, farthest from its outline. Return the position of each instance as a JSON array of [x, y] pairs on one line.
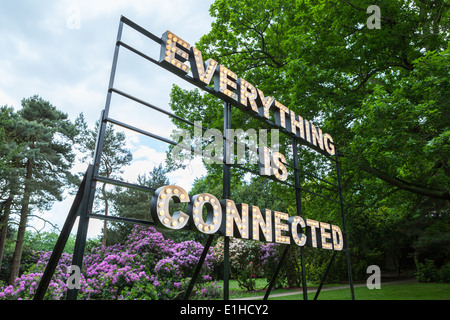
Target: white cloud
[[70, 67]]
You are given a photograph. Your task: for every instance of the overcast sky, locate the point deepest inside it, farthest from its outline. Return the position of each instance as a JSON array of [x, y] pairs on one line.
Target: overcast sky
[[62, 51]]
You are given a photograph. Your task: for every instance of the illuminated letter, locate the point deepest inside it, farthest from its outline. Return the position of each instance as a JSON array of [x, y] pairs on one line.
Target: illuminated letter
[[234, 221], [277, 160], [280, 115], [338, 239], [297, 126], [307, 131], [200, 71], [328, 142], [325, 235], [265, 104], [312, 235], [261, 227], [160, 207], [279, 227], [316, 136], [174, 52], [249, 94], [264, 162], [213, 213], [225, 83], [295, 223]]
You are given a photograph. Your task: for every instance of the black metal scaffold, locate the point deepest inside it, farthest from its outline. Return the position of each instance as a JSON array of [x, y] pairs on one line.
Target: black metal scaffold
[[82, 206]]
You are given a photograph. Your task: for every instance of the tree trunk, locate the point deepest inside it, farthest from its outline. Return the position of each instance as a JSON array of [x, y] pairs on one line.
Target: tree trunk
[[106, 213], [15, 265], [4, 225]]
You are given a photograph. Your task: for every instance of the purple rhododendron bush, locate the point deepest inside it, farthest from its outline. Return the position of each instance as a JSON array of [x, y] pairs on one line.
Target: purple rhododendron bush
[[147, 266]]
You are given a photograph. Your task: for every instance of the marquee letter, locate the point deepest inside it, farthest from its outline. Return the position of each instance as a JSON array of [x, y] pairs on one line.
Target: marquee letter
[[235, 222], [213, 215], [316, 134], [225, 83], [325, 235], [328, 142], [262, 227], [264, 161], [298, 237], [174, 52], [200, 70], [278, 161], [338, 239], [297, 126], [160, 207], [264, 104], [280, 114], [312, 234], [248, 94], [280, 227]]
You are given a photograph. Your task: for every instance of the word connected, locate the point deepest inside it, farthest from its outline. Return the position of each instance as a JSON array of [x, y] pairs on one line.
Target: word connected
[[208, 215], [175, 53]]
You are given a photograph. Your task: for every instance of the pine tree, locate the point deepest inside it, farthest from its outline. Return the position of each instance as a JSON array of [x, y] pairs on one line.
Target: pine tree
[[114, 156], [46, 136]]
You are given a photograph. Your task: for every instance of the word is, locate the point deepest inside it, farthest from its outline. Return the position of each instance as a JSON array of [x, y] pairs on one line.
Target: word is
[[206, 214], [271, 162]]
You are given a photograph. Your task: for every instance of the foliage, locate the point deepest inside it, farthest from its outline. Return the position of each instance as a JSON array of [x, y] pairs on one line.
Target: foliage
[[383, 96], [245, 260], [147, 266], [429, 272]]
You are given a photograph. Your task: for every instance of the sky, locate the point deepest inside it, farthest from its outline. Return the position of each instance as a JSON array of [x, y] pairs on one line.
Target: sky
[[62, 51]]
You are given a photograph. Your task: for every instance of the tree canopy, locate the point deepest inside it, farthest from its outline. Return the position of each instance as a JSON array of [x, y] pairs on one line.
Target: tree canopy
[[382, 93]]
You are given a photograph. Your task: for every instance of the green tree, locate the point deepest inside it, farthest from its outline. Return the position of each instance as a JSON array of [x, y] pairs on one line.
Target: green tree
[[114, 156], [381, 93], [133, 203], [47, 136]]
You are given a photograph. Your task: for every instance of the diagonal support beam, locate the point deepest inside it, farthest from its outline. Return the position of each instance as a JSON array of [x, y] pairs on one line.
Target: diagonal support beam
[[198, 267], [277, 270], [62, 240]]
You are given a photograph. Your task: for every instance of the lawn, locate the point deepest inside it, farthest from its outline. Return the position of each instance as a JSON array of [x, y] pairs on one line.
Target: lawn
[[399, 291]]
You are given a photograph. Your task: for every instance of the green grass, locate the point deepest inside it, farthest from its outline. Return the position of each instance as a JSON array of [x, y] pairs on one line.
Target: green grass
[[400, 291]]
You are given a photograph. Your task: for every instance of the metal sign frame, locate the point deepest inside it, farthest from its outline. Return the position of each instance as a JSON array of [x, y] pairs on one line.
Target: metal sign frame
[[83, 203]]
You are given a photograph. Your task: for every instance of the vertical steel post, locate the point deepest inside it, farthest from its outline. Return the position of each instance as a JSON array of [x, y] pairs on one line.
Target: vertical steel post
[[298, 198], [89, 195], [344, 227], [226, 180]]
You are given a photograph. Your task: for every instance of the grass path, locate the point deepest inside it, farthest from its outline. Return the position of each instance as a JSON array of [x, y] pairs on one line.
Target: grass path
[[396, 290]]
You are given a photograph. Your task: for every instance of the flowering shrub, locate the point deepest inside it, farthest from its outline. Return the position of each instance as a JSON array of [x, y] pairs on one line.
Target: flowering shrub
[[245, 260], [147, 266]]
